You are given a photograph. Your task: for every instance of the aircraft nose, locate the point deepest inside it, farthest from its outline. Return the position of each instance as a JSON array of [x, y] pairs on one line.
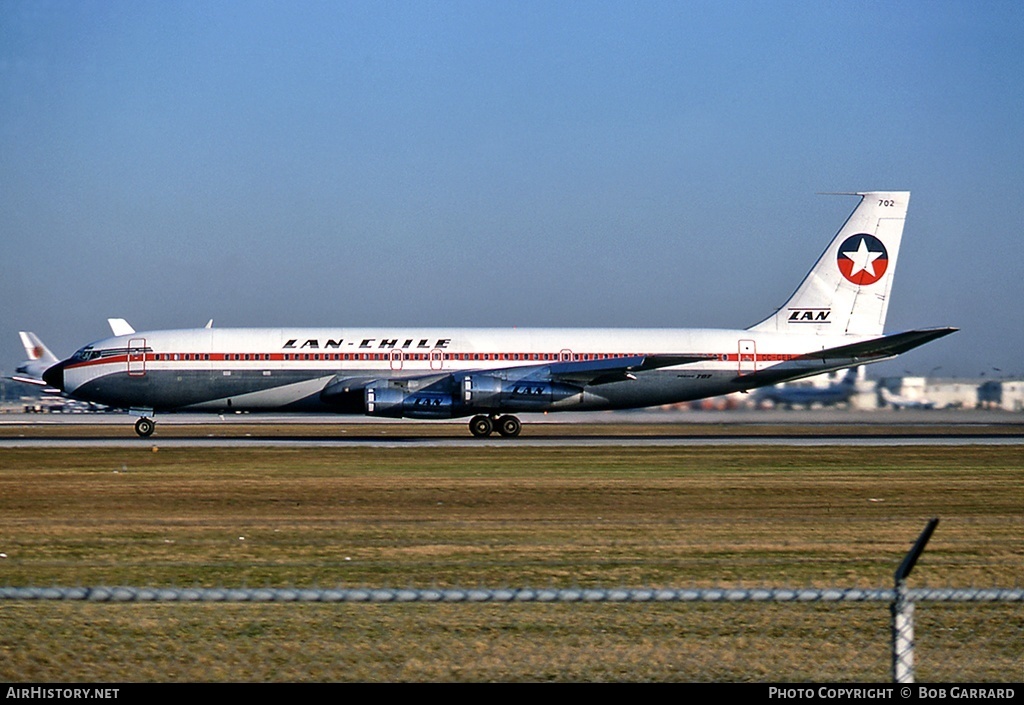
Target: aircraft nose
[[54, 376]]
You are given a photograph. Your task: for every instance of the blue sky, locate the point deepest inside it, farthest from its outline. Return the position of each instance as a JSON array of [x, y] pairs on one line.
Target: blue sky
[[503, 163]]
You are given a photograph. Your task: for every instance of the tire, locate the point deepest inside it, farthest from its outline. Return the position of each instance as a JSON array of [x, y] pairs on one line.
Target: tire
[[145, 427], [481, 426], [509, 426]]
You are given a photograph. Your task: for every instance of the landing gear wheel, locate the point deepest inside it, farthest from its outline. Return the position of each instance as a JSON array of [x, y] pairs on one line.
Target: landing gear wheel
[[481, 426], [145, 427], [509, 426]]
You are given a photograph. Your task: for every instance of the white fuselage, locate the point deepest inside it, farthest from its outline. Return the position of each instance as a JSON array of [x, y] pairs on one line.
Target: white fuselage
[[281, 368]]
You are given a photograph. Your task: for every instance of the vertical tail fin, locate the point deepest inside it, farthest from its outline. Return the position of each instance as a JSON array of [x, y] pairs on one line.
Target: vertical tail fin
[[38, 360], [35, 351], [847, 291]]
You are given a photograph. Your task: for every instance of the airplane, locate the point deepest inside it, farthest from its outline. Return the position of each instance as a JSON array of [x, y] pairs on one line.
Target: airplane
[[39, 359], [833, 321], [898, 402], [837, 393]]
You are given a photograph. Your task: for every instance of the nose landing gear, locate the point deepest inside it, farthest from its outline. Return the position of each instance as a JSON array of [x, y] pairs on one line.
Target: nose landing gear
[[145, 427]]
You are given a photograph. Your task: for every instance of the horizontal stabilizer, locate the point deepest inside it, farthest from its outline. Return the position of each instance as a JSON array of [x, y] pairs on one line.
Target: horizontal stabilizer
[[838, 358], [35, 382], [888, 346]]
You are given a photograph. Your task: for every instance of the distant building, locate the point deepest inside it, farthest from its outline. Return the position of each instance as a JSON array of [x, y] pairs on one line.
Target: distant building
[[938, 393], [1001, 394]]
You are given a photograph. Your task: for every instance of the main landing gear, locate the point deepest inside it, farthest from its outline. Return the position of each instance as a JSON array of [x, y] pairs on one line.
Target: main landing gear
[[145, 427], [482, 426]]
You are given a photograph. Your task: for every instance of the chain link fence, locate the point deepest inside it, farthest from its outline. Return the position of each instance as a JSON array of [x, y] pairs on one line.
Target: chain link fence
[[526, 634]]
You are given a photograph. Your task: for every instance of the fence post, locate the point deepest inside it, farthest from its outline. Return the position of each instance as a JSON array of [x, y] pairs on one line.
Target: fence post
[[902, 610]]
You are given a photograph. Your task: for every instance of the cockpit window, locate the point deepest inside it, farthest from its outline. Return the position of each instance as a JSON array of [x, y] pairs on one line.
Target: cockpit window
[[86, 353]]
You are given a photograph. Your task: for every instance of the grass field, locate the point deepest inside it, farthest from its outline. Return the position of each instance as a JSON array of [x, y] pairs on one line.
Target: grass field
[[498, 517]]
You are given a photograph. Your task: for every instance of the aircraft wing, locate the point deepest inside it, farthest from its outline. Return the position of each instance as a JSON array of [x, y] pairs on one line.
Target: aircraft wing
[[837, 358], [577, 373], [594, 372]]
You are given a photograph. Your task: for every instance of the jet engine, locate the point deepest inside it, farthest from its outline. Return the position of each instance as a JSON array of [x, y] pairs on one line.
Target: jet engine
[[394, 401], [456, 395], [493, 393]]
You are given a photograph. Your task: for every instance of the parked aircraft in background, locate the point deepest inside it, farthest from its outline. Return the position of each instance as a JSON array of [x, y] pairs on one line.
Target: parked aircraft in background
[[838, 392], [898, 402], [834, 320], [38, 360]]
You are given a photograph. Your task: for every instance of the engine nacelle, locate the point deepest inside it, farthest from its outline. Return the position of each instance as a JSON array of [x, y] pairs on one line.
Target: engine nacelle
[[383, 399], [485, 392], [453, 396]]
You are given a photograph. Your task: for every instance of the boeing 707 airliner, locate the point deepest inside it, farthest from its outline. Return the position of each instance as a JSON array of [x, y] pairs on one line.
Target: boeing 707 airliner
[[834, 320]]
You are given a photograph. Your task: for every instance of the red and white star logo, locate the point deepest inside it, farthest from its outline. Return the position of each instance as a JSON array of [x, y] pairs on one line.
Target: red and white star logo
[[862, 259]]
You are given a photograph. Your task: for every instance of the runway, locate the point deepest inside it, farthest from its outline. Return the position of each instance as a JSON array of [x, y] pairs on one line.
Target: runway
[[635, 429]]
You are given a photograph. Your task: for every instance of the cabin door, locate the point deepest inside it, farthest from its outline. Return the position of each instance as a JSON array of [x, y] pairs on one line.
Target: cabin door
[[747, 357], [136, 357]]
